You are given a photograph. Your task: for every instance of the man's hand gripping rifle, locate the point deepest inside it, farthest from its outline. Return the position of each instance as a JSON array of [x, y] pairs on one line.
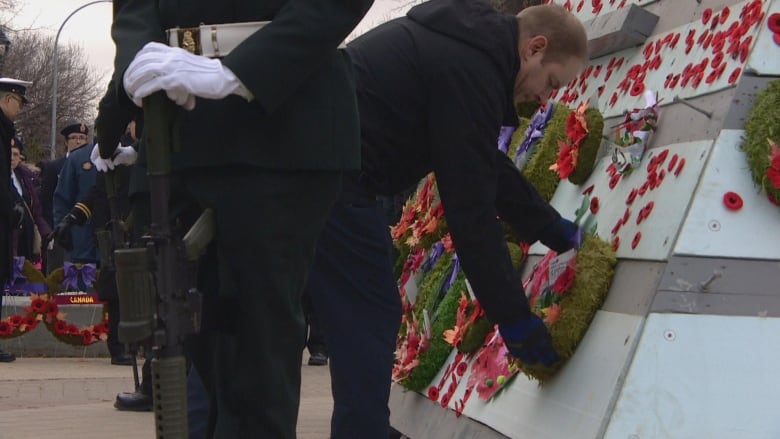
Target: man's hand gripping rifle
[[157, 282]]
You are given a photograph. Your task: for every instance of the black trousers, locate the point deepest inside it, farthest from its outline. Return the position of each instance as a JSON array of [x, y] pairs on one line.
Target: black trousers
[[355, 296], [249, 350]]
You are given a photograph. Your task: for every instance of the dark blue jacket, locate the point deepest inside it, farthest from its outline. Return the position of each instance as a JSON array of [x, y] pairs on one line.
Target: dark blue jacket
[[77, 179]]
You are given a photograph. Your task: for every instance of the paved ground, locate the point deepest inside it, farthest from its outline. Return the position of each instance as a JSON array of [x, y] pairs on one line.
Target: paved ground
[[72, 398]]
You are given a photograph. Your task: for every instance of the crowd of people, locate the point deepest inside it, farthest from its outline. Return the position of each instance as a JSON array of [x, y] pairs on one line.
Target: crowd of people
[[294, 142]]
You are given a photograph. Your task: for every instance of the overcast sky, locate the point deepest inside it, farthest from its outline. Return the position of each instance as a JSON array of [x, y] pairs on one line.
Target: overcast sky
[[90, 27]]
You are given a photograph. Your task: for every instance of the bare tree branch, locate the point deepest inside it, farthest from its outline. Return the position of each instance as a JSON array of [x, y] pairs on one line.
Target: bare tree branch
[[77, 88]]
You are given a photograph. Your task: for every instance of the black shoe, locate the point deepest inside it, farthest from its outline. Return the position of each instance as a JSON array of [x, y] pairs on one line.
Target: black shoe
[[318, 359], [6, 357], [122, 360], [133, 402]]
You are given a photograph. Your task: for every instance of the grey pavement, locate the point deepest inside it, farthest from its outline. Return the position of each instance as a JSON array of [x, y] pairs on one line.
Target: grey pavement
[[72, 398]]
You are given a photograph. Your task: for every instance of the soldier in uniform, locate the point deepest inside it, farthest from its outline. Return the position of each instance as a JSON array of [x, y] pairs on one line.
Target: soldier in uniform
[[271, 126], [12, 99], [76, 180]]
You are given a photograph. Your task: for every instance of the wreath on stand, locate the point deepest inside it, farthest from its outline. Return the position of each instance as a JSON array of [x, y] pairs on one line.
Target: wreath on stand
[[43, 308], [760, 143]]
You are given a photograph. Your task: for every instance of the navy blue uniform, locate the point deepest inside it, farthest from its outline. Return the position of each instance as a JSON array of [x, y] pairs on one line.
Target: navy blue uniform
[[76, 180]]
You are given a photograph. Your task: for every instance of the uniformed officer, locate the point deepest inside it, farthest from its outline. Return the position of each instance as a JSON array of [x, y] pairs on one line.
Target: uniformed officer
[[272, 125], [12, 99], [76, 180]]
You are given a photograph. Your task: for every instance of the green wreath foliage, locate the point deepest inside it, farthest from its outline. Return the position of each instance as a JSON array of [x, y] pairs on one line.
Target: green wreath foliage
[[763, 122], [432, 360], [538, 170], [595, 268], [431, 284], [589, 148]]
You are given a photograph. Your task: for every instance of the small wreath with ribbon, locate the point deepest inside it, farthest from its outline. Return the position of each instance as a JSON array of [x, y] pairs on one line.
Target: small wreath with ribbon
[[763, 153], [43, 308]]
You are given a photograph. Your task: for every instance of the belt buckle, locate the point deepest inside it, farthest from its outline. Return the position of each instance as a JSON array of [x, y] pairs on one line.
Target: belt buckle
[[189, 39]]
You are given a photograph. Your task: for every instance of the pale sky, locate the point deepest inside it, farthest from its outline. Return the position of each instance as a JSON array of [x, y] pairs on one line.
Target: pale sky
[[90, 27]]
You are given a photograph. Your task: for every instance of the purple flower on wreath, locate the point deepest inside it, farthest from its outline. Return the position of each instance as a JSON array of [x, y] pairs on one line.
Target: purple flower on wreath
[[534, 132], [504, 136]]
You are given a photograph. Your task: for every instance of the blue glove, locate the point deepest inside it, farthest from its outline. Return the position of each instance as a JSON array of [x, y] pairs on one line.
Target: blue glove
[[529, 341], [562, 235]]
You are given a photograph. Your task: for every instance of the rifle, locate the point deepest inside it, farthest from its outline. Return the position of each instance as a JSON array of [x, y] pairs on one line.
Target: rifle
[[157, 282]]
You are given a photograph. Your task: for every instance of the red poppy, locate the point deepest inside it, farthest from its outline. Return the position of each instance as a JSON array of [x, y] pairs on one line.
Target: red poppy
[[588, 189], [433, 393], [776, 38], [73, 329], [637, 89], [31, 322], [614, 180], [675, 40], [567, 159], [672, 162], [445, 399], [15, 320], [616, 243], [594, 205], [5, 328], [735, 75], [706, 15], [86, 337], [616, 227], [635, 241], [626, 215], [679, 167], [732, 200], [774, 22], [462, 367], [60, 327], [38, 305], [724, 14]]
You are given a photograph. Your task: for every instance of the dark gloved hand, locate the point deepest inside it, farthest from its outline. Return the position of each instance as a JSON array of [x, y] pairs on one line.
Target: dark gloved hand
[[61, 233], [529, 341], [562, 235], [17, 215]]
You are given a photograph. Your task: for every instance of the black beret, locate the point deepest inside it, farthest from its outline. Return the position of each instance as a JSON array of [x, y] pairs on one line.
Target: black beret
[[16, 86], [75, 128]]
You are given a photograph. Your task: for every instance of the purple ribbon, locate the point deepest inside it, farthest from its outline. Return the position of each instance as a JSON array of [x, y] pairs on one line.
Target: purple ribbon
[[454, 274], [534, 132], [436, 251], [504, 136], [72, 273], [16, 270]]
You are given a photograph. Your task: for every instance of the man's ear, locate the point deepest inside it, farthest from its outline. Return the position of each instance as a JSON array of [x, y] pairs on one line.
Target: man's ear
[[537, 44]]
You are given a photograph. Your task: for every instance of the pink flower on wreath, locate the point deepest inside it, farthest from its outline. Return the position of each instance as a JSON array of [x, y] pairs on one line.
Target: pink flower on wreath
[[552, 314]]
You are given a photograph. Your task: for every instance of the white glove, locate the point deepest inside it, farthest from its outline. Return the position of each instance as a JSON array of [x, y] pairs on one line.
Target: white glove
[[181, 74], [101, 164], [125, 155]]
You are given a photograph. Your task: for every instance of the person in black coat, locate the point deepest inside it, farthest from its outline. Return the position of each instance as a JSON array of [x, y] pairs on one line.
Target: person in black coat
[[12, 99], [434, 88]]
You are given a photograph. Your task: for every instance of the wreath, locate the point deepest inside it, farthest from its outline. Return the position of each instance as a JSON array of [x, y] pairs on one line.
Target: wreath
[[760, 142], [43, 307]]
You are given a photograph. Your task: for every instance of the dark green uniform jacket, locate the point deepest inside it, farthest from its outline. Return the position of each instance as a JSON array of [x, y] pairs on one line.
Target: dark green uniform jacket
[[304, 112]]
